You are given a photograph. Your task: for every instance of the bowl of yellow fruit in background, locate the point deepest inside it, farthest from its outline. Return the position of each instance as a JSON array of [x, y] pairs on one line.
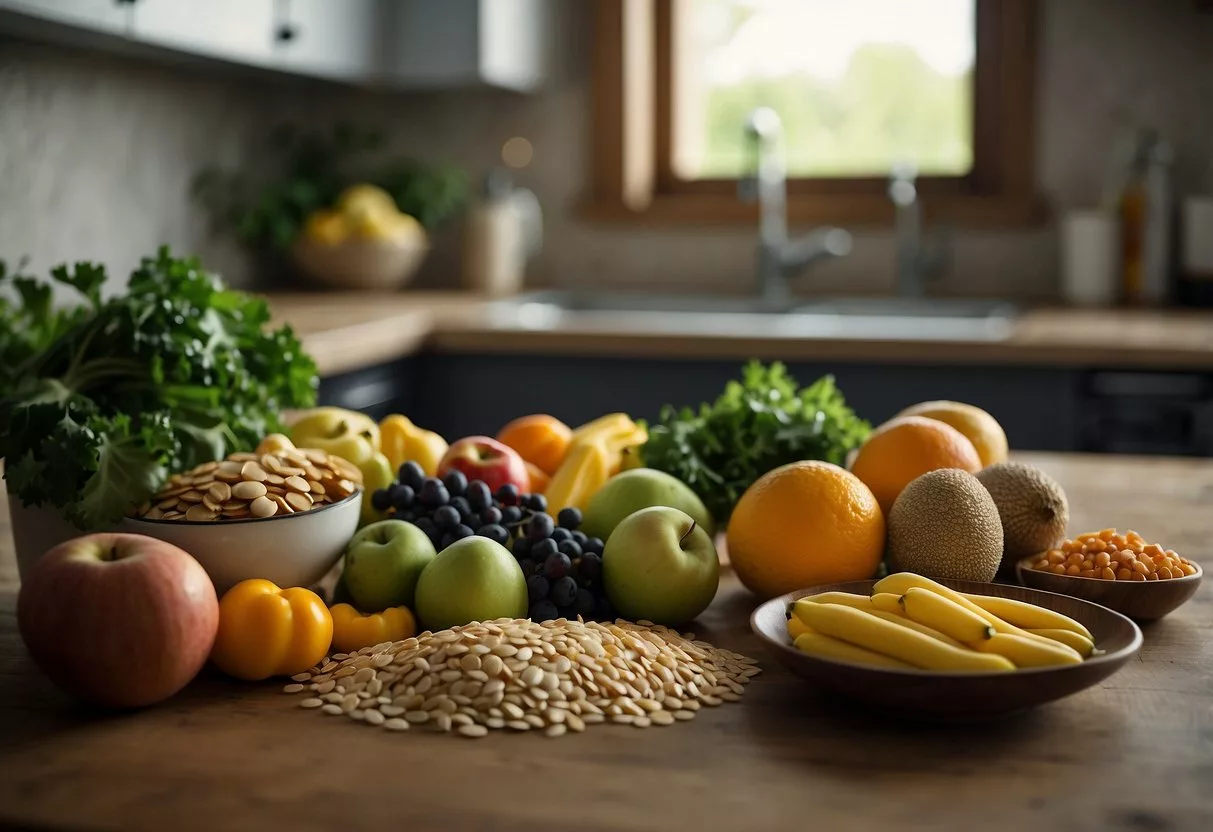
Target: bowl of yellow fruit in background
[[363, 242], [944, 650]]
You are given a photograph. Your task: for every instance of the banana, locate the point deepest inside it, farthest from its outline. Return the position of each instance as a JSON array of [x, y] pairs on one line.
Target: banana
[[888, 602], [1082, 644], [948, 617], [1028, 652], [1020, 614], [914, 625], [796, 628], [859, 602], [863, 629], [586, 467], [824, 647], [899, 582]]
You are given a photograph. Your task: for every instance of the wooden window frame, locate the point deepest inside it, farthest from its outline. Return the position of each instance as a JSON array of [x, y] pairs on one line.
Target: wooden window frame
[[632, 177]]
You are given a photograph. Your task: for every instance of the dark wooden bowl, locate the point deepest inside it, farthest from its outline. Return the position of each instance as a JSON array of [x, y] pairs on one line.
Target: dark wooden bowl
[[956, 696], [1140, 600]]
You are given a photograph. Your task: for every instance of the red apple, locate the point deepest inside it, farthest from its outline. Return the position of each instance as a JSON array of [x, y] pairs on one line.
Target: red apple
[[482, 458], [120, 620]]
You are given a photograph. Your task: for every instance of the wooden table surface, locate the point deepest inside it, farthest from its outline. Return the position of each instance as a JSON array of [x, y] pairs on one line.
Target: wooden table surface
[[1135, 753]]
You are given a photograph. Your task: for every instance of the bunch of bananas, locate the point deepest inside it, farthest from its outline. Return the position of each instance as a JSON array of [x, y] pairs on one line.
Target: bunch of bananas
[[597, 451]]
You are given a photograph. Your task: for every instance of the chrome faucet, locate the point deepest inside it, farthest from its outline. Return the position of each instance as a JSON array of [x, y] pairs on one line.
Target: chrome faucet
[[778, 257], [917, 262]]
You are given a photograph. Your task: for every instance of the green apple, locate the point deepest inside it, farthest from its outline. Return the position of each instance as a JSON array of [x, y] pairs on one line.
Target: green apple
[[660, 565], [640, 488], [473, 579], [377, 473], [383, 563]]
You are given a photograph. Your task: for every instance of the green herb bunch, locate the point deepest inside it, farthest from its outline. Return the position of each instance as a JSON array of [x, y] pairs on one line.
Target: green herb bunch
[[310, 169], [757, 424], [100, 402]]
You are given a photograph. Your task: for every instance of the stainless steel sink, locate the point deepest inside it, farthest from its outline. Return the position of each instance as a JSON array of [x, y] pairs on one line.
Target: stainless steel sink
[[858, 318]]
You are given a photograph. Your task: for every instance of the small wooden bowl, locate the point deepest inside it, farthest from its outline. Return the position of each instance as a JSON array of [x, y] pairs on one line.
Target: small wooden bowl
[[374, 265], [1139, 600], [925, 694]]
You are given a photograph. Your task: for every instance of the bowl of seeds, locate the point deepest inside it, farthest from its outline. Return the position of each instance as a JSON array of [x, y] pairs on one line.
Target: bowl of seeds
[[280, 513]]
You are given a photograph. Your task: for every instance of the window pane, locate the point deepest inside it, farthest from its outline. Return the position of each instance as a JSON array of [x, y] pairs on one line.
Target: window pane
[[859, 84]]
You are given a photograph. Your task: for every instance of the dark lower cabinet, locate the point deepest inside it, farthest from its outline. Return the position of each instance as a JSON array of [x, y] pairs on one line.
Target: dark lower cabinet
[[1041, 408]]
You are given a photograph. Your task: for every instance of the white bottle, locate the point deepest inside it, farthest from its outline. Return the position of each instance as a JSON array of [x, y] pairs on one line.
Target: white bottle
[[503, 231]]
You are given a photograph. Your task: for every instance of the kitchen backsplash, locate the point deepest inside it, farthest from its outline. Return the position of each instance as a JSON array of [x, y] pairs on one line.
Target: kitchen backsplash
[[96, 153]]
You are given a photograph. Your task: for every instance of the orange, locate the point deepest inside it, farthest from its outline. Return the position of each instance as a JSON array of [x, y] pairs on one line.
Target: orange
[[804, 524], [539, 478], [903, 449], [539, 439], [979, 427]]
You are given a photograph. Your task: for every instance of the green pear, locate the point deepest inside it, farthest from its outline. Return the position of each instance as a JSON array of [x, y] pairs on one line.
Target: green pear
[[639, 488], [383, 563], [473, 579]]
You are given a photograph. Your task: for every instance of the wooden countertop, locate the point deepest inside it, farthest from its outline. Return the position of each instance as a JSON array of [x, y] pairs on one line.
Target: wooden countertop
[[1135, 753], [351, 331]]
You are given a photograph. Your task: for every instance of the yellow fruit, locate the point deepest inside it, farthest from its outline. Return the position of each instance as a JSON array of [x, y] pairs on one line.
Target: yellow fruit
[[901, 450], [1028, 652], [945, 525], [359, 201], [901, 620], [796, 628], [978, 426], [805, 524], [586, 467], [326, 227], [402, 441], [1028, 616], [859, 602], [887, 602], [824, 647], [1074, 641], [933, 610], [617, 433], [877, 634], [1031, 505]]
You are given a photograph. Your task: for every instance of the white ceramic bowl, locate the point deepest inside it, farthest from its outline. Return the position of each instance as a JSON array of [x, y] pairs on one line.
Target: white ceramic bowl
[[360, 264], [288, 549]]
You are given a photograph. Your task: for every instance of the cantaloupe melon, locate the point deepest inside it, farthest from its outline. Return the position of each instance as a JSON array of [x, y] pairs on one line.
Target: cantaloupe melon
[[1032, 507], [945, 525]]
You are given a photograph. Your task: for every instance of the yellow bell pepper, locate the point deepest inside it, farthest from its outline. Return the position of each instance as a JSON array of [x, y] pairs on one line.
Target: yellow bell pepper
[[351, 435], [266, 631], [353, 630], [402, 441]]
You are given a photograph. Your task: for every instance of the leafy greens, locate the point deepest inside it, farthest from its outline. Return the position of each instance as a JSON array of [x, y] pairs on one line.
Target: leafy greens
[[757, 424], [100, 402]]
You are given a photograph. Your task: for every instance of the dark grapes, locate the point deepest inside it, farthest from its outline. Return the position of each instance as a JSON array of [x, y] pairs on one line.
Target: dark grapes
[[594, 544], [446, 517], [560, 535], [490, 515], [479, 495], [433, 493], [590, 566], [511, 515], [412, 475], [496, 533], [461, 531], [557, 566], [456, 483], [581, 538], [535, 502], [528, 566], [539, 526], [522, 547], [461, 505], [569, 518], [381, 500], [563, 592], [427, 526], [570, 548], [604, 609], [585, 603], [543, 611], [537, 588], [507, 495], [402, 497], [541, 550]]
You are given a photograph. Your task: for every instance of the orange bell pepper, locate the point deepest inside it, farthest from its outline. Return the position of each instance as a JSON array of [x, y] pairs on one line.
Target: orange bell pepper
[[266, 631], [353, 630]]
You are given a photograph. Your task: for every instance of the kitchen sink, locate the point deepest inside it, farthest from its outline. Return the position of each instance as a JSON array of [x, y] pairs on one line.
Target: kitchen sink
[[854, 317]]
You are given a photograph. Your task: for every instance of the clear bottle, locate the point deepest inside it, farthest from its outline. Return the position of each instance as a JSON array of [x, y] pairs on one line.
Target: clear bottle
[[1145, 206]]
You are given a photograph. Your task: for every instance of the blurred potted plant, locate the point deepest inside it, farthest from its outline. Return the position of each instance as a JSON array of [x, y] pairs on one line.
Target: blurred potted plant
[[332, 206]]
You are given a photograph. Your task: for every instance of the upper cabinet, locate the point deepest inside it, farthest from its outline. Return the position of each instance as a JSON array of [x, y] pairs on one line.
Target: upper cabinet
[[408, 44]]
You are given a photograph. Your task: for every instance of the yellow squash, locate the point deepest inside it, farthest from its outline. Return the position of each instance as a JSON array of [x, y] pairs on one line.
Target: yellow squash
[[267, 631], [353, 630]]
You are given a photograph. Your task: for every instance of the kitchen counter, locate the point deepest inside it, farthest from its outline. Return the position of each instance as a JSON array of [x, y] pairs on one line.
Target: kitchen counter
[[1135, 753], [346, 332]]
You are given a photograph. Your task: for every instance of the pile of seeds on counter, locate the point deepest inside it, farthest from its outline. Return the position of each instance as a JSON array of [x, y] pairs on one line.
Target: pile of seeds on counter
[[553, 677], [282, 480]]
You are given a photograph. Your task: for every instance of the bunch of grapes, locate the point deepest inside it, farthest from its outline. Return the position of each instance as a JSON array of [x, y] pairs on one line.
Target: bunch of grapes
[[563, 567]]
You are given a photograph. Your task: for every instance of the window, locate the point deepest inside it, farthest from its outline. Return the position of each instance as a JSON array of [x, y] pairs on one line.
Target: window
[[860, 86]]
